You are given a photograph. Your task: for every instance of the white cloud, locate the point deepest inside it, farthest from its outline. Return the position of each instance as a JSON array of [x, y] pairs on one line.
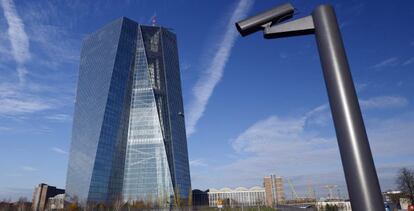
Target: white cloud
[[20, 100], [294, 146], [409, 61], [5, 47], [56, 44], [285, 137], [384, 102], [389, 137], [204, 87], [59, 150], [185, 65], [5, 128], [20, 106], [361, 86], [281, 136], [28, 168], [321, 115], [59, 117], [198, 163], [281, 145], [392, 61], [56, 47], [17, 36]]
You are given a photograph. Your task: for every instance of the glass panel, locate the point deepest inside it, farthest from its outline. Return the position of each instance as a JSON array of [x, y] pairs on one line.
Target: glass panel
[[147, 174], [95, 73]]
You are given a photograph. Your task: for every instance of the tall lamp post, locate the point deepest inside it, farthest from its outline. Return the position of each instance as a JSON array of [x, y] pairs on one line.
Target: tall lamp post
[[360, 174]]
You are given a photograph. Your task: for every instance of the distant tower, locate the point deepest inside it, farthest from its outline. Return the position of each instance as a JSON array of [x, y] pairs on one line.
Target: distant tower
[[274, 190], [311, 191]]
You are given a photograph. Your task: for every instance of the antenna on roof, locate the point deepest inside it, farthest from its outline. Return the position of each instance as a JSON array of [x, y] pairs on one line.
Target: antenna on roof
[[154, 20]]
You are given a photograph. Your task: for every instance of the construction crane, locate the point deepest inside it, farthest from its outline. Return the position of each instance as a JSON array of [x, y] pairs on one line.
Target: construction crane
[[330, 188], [311, 191], [339, 193], [293, 189]]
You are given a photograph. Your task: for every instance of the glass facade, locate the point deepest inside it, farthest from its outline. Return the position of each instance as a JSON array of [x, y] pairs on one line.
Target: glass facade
[[128, 136]]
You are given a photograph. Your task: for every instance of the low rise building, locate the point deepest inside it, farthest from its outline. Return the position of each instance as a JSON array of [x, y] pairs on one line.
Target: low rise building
[[41, 195], [239, 197], [56, 203], [396, 198]]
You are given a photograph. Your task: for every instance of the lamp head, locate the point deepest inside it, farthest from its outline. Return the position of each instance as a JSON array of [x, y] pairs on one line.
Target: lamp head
[[257, 22]]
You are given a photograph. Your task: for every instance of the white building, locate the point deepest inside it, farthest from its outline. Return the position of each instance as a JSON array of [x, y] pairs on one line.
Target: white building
[[56, 203], [238, 197]]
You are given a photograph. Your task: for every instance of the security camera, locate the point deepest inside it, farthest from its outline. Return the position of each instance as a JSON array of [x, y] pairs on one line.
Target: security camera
[[258, 22]]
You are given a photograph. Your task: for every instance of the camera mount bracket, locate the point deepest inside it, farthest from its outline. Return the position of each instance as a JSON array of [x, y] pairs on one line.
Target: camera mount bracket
[[302, 26]]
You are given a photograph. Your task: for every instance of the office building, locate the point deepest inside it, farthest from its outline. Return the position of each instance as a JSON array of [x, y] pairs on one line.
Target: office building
[[274, 189], [239, 197], [200, 198], [128, 136], [41, 195]]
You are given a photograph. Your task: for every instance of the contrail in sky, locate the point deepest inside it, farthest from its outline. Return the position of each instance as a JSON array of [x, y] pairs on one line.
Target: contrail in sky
[[205, 85]]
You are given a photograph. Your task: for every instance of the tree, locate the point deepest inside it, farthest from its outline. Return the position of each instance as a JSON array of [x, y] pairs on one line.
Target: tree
[[190, 198], [149, 202], [405, 181], [139, 205], [177, 198], [74, 204], [5, 205], [73, 207], [22, 204], [118, 202], [331, 207], [99, 207]]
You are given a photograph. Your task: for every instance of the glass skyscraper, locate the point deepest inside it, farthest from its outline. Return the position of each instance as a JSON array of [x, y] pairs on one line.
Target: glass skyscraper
[[128, 136]]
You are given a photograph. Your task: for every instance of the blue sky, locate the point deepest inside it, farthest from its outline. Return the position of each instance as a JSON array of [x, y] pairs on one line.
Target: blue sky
[[253, 106]]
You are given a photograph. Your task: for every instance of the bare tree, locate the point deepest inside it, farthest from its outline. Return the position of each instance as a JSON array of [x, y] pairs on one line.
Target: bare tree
[[137, 205], [118, 203], [74, 204], [149, 202], [190, 198], [22, 204], [177, 198], [5, 205], [405, 181]]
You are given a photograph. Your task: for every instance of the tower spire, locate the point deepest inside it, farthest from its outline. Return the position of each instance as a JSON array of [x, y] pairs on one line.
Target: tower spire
[[154, 20]]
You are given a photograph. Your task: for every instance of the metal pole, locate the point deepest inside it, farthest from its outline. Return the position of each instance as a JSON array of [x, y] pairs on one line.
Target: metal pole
[[360, 174]]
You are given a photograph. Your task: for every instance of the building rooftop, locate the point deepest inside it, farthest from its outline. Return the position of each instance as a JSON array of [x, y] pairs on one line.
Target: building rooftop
[[238, 189]]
